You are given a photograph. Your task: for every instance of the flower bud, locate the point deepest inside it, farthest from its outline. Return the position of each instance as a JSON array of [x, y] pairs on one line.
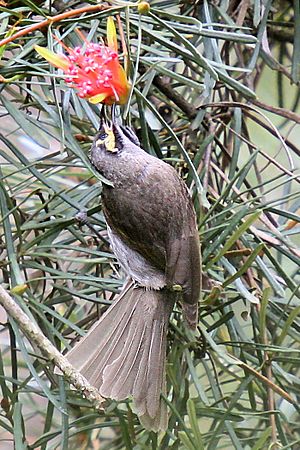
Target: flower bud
[[143, 7]]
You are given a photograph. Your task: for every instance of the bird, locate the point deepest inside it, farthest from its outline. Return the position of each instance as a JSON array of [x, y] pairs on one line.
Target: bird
[[152, 228]]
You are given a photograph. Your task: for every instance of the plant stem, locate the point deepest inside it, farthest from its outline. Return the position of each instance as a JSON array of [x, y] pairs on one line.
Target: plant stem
[[50, 20], [36, 337]]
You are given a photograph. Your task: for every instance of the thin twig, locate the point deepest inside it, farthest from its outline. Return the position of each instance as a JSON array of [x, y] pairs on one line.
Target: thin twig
[[207, 157], [278, 111], [191, 111], [269, 375], [265, 155], [123, 42], [50, 20], [36, 337], [270, 130], [268, 382]]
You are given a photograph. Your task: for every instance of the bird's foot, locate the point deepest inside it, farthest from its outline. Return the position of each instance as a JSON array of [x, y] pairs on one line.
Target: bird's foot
[[82, 219]]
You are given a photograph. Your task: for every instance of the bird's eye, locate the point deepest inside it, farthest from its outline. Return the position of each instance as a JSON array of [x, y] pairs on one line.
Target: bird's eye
[[103, 136]]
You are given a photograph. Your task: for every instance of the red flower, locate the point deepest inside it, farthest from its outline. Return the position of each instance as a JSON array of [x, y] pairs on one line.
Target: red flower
[[95, 72]]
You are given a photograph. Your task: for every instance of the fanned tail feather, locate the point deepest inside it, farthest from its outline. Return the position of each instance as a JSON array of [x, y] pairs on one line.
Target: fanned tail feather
[[124, 353]]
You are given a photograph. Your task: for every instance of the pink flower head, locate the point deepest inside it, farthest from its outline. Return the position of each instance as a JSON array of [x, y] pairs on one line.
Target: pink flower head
[[95, 72]]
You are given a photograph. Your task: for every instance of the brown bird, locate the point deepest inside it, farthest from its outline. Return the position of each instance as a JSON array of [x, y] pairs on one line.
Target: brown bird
[[153, 232]]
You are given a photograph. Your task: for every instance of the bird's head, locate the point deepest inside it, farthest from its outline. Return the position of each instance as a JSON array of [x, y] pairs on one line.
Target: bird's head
[[113, 147], [106, 139], [114, 138]]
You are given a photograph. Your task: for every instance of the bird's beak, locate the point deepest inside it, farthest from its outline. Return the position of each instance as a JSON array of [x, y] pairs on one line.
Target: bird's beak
[[121, 133], [104, 117], [104, 122]]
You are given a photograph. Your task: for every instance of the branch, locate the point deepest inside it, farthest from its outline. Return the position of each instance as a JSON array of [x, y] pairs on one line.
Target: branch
[[53, 19], [35, 336], [271, 130], [268, 382], [281, 35], [279, 111], [283, 112], [191, 110], [178, 99]]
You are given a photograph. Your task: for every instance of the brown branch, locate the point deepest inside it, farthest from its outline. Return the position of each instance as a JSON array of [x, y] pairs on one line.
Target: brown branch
[[270, 130], [54, 19], [279, 111], [265, 155], [268, 382], [178, 99], [281, 35], [191, 111], [124, 46], [36, 337]]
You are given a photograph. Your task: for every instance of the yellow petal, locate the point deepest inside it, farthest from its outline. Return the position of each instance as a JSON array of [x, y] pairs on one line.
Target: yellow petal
[[98, 98], [122, 78], [123, 97], [56, 60], [111, 34]]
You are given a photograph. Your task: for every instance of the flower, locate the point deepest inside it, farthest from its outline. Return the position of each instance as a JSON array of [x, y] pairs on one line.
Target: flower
[[95, 71]]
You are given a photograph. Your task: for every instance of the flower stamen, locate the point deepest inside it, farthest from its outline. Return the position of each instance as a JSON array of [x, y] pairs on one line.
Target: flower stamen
[[95, 71]]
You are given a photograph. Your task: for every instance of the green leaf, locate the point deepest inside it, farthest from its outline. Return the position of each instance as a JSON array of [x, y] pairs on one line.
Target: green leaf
[[29, 129], [18, 427], [33, 371], [235, 236], [194, 424]]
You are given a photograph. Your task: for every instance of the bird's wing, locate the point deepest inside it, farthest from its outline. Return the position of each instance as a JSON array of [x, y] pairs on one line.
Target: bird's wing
[[183, 261]]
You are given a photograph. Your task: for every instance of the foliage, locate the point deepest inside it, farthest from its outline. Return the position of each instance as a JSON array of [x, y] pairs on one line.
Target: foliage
[[195, 69]]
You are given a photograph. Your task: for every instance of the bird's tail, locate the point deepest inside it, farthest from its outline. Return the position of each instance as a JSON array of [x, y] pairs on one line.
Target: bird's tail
[[124, 353]]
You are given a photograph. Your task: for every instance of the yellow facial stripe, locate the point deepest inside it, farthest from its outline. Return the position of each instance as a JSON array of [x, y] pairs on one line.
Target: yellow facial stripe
[[109, 141]]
